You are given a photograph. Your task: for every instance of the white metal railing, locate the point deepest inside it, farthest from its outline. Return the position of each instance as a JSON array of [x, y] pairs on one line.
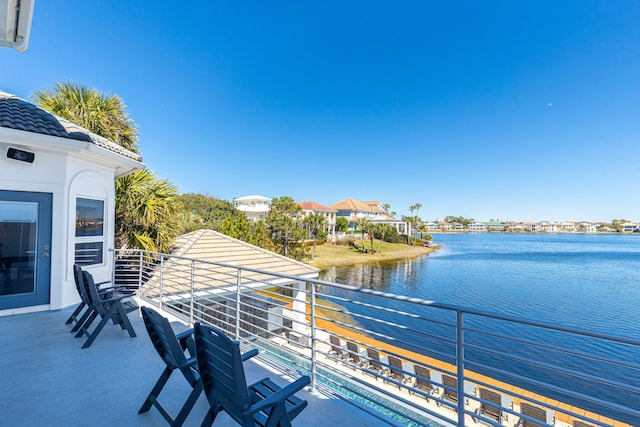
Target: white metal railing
[[434, 363]]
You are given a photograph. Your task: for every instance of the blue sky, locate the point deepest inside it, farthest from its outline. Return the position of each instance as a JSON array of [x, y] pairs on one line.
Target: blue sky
[[525, 110]]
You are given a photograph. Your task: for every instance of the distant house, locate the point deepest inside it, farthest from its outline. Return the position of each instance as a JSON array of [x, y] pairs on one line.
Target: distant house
[[588, 227], [495, 226], [569, 227], [431, 226], [355, 210], [378, 206], [57, 199], [444, 226], [549, 227], [329, 214], [477, 227], [253, 207], [629, 227]]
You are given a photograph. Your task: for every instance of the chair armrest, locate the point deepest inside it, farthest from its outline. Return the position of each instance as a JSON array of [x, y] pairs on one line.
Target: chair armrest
[[192, 361], [184, 334], [281, 395], [111, 298], [249, 354]]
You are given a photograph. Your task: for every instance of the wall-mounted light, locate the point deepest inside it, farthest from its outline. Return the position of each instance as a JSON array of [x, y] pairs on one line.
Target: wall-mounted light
[[23, 156]]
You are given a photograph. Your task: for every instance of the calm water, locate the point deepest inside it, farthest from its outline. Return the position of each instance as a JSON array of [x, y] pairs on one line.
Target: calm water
[[586, 281]]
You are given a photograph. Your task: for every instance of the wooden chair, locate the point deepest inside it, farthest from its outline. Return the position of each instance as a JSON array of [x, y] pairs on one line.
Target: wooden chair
[[75, 316], [580, 423], [423, 376], [171, 348], [537, 413], [396, 371], [110, 291], [336, 347], [374, 363], [492, 409], [108, 306], [224, 382], [353, 355], [450, 383]]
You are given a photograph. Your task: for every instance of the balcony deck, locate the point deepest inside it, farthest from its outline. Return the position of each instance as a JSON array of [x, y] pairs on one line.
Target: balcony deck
[[47, 379]]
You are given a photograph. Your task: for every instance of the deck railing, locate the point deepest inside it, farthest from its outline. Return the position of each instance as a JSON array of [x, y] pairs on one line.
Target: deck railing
[[406, 360]]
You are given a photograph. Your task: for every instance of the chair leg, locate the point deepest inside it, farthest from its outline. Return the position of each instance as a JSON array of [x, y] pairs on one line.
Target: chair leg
[[188, 405], [278, 417], [155, 391], [84, 325], [82, 319], [108, 316], [76, 312], [125, 323], [209, 418]]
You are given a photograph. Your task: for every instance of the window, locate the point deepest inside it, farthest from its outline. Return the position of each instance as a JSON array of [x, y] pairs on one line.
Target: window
[[90, 236]]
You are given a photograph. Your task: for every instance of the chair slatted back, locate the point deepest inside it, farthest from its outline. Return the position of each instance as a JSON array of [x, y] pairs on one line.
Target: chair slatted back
[[396, 366], [335, 344], [221, 370], [165, 342], [533, 411], [374, 355], [78, 278], [352, 349], [578, 423], [493, 397], [451, 382], [423, 374]]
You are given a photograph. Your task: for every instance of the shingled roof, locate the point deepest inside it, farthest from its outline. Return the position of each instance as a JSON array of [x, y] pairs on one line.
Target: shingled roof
[[210, 246], [313, 206], [18, 114], [352, 205]]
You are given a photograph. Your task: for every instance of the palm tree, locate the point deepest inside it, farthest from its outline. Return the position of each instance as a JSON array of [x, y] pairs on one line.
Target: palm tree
[[382, 229], [315, 222], [363, 225], [105, 115], [417, 206], [144, 206], [146, 212], [371, 230]]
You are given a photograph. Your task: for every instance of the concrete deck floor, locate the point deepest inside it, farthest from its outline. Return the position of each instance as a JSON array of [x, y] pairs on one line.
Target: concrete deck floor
[[47, 379]]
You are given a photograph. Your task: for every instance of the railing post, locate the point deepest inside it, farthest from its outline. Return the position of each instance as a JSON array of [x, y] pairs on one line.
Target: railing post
[[140, 269], [113, 269], [460, 364], [192, 290], [239, 280], [313, 336], [161, 280]]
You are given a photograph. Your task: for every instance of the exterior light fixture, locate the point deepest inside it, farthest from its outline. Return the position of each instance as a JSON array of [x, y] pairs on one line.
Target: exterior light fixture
[[23, 156]]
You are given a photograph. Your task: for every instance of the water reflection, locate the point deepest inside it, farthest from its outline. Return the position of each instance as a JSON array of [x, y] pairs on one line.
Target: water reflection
[[380, 276]]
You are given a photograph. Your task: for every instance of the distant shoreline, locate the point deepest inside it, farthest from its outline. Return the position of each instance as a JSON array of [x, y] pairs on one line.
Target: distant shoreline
[[328, 255]]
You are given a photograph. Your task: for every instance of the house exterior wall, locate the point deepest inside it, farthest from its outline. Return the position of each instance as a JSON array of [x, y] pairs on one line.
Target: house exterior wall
[[66, 175]]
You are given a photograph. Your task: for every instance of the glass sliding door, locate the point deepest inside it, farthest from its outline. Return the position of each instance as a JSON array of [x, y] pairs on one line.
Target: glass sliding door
[[25, 240]]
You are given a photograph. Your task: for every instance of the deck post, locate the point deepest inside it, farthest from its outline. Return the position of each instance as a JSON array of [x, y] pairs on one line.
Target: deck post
[[460, 364], [161, 280], [192, 290], [139, 268], [238, 282], [313, 336]]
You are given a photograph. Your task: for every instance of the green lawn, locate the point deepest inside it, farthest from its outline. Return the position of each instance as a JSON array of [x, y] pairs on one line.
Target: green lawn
[[328, 255]]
